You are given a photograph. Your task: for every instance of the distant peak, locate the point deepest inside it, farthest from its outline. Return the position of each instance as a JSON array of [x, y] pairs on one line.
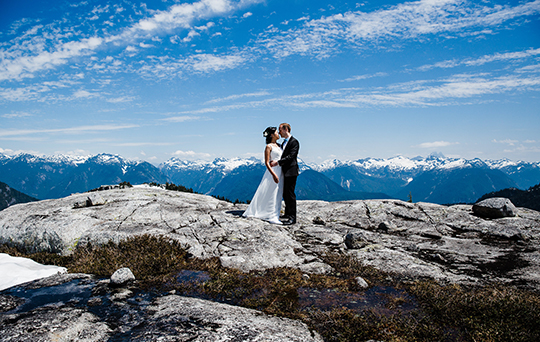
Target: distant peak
[[436, 155]]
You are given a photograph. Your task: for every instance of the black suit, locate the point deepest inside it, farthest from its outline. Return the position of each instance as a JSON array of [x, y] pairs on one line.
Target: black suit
[[289, 166]]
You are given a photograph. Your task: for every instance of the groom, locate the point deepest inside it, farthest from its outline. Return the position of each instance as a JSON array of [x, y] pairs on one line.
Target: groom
[[289, 166]]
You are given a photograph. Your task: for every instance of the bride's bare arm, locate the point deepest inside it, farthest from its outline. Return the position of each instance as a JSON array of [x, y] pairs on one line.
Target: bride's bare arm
[[267, 161]]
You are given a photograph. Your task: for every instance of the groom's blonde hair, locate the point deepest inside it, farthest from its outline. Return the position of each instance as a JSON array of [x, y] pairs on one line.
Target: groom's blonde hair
[[287, 126]]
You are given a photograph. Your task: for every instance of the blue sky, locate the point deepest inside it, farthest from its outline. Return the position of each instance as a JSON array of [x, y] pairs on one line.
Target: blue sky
[[152, 80]]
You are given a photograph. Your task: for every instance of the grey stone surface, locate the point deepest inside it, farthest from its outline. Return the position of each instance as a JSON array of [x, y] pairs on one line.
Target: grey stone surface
[[122, 276], [112, 314], [420, 240], [53, 323], [496, 207], [191, 319], [449, 244], [361, 282]]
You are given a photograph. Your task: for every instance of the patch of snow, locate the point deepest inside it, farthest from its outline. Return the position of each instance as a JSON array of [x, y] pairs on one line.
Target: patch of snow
[[454, 164], [17, 270]]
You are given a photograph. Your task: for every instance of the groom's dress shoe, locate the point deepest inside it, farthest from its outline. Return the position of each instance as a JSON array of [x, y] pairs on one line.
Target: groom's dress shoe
[[289, 222]]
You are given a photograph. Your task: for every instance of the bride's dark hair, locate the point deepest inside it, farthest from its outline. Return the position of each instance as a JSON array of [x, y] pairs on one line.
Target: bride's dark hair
[[268, 134]]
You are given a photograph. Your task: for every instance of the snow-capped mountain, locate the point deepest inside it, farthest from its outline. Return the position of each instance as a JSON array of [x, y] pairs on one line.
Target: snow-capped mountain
[[57, 176], [434, 178], [401, 165]]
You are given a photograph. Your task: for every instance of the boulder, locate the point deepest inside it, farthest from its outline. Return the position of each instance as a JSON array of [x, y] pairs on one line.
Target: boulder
[[91, 200], [361, 282], [356, 240], [494, 208], [122, 276]]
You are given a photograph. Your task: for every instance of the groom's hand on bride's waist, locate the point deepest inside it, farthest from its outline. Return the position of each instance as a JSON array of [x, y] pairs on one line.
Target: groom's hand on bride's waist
[[273, 163]]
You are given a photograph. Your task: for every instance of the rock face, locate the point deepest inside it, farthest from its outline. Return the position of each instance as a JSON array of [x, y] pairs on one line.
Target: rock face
[[228, 323], [496, 207], [449, 244], [99, 313]]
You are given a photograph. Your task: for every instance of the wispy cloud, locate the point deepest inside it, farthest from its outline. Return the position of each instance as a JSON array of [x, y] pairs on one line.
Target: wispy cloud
[[191, 154], [436, 144], [16, 115], [69, 130], [84, 94], [364, 77], [431, 93], [22, 65], [510, 142], [325, 36], [184, 118], [10, 152], [508, 56], [320, 38], [137, 144], [121, 99], [24, 59], [240, 96]]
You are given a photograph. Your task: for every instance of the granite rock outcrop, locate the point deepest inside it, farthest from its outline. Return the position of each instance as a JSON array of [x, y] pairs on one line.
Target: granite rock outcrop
[[98, 311], [446, 243], [408, 240]]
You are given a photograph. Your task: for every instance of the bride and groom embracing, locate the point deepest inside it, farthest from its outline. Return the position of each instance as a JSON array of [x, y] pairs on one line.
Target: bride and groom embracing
[[279, 180]]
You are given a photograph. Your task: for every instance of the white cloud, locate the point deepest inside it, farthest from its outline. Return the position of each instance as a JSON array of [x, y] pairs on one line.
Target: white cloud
[[121, 99], [325, 36], [16, 115], [518, 55], [69, 130], [247, 15], [76, 153], [239, 96], [29, 57], [180, 16], [207, 63], [10, 152], [183, 118], [84, 94], [23, 66], [191, 154], [436, 144], [364, 77], [510, 142], [6, 151], [443, 92], [137, 144]]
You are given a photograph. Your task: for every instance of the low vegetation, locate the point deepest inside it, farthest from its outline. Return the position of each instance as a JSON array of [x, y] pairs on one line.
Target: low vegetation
[[391, 309]]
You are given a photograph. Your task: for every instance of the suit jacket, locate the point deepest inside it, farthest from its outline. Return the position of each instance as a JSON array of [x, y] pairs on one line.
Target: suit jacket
[[289, 158]]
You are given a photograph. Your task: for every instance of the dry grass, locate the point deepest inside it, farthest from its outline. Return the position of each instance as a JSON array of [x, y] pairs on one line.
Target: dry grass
[[441, 313]]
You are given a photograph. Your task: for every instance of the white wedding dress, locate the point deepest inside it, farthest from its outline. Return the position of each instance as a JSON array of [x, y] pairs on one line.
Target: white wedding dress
[[266, 203]]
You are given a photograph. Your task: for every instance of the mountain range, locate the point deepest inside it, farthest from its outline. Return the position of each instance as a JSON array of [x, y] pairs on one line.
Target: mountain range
[[435, 178], [9, 196]]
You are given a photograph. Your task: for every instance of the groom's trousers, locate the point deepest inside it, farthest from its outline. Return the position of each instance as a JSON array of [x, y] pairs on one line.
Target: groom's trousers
[[289, 185]]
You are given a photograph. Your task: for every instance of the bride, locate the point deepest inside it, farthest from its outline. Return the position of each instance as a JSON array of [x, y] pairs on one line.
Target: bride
[[266, 203]]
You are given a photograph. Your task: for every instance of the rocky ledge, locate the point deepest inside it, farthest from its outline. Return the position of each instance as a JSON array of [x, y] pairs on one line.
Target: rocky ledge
[[80, 308], [448, 244], [410, 240]]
